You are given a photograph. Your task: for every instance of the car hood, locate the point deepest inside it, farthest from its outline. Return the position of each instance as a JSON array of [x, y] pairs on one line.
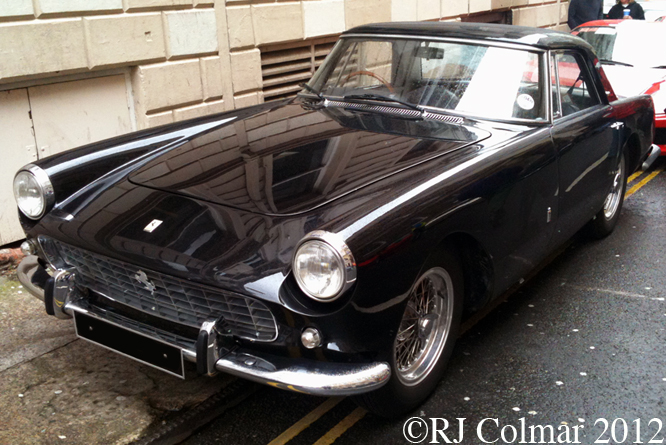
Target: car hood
[[293, 158], [632, 81]]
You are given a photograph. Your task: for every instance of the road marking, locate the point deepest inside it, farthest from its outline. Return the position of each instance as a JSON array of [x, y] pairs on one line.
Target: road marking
[[306, 421], [339, 429], [634, 176], [616, 292], [647, 179]]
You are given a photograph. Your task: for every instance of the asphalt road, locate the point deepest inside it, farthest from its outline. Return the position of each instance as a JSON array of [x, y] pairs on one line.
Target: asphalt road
[[578, 345]]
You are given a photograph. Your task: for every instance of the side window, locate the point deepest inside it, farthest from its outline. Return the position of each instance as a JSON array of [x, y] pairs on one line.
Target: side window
[[573, 83]]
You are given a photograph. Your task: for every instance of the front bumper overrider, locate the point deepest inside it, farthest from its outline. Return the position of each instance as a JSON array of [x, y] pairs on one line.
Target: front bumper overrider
[[295, 374]]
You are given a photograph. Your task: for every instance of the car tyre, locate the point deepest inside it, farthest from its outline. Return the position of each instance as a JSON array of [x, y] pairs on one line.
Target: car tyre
[[605, 221], [424, 340]]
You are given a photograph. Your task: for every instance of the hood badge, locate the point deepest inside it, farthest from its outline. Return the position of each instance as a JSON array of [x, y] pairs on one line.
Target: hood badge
[[154, 224], [142, 278]]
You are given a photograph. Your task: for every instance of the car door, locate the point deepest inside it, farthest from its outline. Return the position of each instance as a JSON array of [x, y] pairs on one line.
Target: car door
[[583, 135]]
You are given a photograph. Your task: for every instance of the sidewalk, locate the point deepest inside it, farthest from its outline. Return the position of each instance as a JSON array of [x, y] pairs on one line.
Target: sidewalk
[[55, 388]]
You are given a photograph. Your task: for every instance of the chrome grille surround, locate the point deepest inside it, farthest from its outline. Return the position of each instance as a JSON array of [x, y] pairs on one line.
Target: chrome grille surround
[[171, 298]]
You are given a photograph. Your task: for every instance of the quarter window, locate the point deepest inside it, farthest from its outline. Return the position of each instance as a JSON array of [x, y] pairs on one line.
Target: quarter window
[[572, 82]]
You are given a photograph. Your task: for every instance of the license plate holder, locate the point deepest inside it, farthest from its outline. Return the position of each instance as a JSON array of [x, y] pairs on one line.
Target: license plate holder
[[147, 350]]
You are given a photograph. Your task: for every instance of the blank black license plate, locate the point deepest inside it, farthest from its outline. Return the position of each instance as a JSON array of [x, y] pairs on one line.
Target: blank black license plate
[[139, 347]]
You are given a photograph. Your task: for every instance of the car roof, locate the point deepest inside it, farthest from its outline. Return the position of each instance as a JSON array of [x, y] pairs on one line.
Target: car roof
[[521, 35]]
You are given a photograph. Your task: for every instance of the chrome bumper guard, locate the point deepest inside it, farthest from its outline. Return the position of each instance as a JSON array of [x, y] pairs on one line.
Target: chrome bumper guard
[[300, 375], [654, 153]]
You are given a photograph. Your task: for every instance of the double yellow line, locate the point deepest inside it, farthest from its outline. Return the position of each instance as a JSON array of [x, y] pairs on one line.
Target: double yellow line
[[357, 414], [314, 415], [636, 187]]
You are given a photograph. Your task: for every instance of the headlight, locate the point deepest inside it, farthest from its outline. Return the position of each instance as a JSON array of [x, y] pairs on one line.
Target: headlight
[[324, 266], [33, 191]]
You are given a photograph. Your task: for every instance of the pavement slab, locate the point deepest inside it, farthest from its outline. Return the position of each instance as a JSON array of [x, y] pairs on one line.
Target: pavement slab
[[55, 388]]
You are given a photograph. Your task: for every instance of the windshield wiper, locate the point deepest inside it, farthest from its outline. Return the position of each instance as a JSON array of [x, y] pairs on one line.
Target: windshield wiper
[[312, 90], [659, 67], [382, 98], [614, 62]]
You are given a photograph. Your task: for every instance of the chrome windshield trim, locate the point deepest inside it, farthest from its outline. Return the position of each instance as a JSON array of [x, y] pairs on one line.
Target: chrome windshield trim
[[519, 46]]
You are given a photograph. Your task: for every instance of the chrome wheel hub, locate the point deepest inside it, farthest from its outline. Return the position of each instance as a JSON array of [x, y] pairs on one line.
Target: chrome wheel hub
[[425, 326], [615, 196]]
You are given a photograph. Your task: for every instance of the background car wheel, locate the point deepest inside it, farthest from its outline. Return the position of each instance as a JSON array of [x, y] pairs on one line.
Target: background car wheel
[[605, 221], [424, 341]]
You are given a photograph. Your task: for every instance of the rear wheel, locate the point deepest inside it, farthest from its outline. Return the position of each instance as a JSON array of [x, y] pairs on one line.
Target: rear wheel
[[605, 221], [424, 341]]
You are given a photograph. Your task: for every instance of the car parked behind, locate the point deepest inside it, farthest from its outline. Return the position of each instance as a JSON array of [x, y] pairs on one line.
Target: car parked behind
[[633, 58]]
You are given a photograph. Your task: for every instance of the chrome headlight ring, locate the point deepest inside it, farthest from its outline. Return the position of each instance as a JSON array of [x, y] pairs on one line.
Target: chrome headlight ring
[[345, 265], [41, 181]]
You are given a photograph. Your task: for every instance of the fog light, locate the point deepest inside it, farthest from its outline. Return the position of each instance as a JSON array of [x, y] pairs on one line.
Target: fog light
[[311, 338], [28, 248]]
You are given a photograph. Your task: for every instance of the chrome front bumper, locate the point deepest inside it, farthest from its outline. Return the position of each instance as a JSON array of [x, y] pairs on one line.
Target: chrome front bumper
[[295, 374]]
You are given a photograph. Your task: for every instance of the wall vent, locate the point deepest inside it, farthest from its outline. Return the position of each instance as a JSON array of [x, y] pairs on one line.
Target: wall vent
[[285, 66]]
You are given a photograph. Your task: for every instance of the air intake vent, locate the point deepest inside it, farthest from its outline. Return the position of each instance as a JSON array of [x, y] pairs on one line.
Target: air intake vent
[[286, 66]]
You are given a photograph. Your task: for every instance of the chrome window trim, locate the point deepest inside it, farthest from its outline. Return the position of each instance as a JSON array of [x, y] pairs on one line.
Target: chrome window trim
[[481, 42]]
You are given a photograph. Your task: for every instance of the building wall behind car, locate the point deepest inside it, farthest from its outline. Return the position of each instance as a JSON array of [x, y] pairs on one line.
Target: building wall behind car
[[180, 59]]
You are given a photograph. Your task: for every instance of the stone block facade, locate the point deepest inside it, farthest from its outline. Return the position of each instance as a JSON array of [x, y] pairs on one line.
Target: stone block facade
[[189, 57]]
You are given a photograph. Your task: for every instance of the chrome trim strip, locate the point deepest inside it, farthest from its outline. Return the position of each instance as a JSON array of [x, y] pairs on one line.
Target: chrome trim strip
[[481, 42]]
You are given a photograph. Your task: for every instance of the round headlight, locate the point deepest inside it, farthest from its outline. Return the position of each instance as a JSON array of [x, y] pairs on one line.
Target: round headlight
[[324, 266], [33, 191]]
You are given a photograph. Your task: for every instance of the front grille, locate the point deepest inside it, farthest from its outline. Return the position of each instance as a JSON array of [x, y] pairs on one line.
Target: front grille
[[173, 299]]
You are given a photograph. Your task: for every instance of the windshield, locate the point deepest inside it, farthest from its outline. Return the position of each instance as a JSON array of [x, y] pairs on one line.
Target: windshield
[[637, 44], [473, 79]]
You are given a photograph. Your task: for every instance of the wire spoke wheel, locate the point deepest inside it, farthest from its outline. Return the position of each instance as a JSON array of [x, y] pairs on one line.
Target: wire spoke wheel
[[615, 196], [425, 326]]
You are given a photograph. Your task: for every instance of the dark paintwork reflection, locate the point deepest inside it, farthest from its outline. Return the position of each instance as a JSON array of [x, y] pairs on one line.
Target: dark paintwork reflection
[[300, 159]]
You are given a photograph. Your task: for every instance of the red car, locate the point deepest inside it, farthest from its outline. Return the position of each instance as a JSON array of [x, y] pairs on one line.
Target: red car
[[634, 60]]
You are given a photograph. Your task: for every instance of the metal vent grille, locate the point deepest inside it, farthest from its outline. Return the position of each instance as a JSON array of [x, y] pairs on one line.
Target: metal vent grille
[[396, 110], [284, 67], [173, 299]]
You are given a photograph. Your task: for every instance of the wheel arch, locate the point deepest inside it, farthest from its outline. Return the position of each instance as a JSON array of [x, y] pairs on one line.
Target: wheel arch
[[477, 267], [632, 151]]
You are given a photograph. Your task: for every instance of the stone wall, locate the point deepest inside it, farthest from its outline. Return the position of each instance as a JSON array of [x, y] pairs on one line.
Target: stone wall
[[189, 58]]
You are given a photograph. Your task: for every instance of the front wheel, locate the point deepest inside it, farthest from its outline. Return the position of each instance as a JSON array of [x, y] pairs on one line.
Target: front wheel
[[424, 340], [605, 221]]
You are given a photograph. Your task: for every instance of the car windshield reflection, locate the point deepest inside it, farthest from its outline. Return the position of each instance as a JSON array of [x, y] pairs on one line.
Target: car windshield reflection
[[436, 75]]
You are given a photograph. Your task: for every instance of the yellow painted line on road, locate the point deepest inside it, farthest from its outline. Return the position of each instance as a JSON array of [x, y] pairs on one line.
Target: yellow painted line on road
[[339, 429], [306, 421], [647, 179], [634, 176]]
